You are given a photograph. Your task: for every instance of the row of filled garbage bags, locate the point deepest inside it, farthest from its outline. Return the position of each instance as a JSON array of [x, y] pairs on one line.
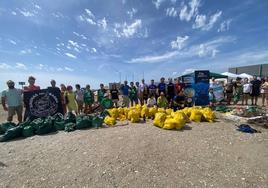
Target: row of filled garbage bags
[[164, 118]]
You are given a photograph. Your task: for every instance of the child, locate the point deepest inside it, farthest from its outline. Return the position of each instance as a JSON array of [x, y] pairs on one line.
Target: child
[[212, 99], [162, 101], [70, 100], [88, 99], [179, 101], [79, 95], [151, 102]]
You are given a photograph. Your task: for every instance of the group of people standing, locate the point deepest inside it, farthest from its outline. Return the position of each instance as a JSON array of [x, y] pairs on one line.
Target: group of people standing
[[242, 90]]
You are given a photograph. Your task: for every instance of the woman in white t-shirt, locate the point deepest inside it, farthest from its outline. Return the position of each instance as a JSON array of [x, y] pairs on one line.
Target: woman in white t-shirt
[[264, 91], [247, 89]]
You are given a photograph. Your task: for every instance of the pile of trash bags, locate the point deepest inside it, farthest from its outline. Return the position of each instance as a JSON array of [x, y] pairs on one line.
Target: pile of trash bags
[[41, 126], [163, 118]]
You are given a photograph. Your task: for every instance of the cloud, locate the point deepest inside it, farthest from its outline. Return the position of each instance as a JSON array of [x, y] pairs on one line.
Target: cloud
[[4, 66], [70, 55], [125, 30], [172, 12], [57, 15], [26, 13], [21, 66], [225, 25], [157, 3], [94, 50], [202, 23], [74, 44], [37, 7], [80, 35], [27, 51], [12, 41], [132, 12], [102, 23], [89, 13], [188, 12], [154, 59], [188, 71], [179, 43], [69, 69], [206, 49], [14, 13]]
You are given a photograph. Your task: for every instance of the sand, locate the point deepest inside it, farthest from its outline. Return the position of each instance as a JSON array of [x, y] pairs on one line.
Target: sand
[[138, 155]]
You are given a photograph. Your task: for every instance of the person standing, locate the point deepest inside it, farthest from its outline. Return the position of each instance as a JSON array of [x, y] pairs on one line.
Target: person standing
[[161, 88], [256, 88], [152, 89], [71, 100], [179, 86], [114, 94], [247, 89], [238, 90], [125, 92], [229, 89], [133, 94], [63, 89], [31, 86], [13, 98], [101, 93], [79, 97], [264, 87], [88, 98], [170, 90], [143, 92]]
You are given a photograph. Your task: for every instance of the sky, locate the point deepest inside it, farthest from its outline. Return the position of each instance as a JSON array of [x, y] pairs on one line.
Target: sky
[[102, 41]]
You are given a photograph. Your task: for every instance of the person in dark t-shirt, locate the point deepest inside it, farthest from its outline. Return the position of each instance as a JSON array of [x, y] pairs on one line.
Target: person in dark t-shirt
[[170, 90], [161, 86], [114, 95], [256, 88]]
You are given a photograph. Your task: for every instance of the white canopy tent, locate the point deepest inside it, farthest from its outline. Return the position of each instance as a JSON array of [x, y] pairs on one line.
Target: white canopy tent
[[245, 75], [230, 75]]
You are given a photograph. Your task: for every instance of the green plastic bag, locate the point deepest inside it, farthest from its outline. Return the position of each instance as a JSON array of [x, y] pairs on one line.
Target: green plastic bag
[[59, 125], [11, 133], [70, 118], [97, 121], [25, 123], [36, 123], [106, 103], [69, 127], [5, 126], [83, 122], [27, 131], [46, 127]]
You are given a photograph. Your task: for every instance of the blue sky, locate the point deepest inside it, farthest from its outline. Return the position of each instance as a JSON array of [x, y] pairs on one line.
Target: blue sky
[[94, 41]]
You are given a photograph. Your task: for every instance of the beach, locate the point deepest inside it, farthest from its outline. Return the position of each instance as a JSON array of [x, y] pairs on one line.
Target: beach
[[138, 155]]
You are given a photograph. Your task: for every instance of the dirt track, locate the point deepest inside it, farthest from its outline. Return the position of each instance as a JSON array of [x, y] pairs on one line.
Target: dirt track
[[138, 155]]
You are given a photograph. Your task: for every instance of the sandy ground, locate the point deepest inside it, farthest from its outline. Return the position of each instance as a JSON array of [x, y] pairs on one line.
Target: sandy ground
[[138, 155]]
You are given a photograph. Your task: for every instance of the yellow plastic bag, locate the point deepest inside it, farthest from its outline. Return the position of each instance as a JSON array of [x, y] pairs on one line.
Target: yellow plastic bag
[[185, 117], [121, 111], [134, 116], [169, 111], [170, 123], [159, 119], [161, 110], [114, 112], [145, 112], [109, 121], [122, 117], [126, 110], [208, 115], [196, 115], [152, 112]]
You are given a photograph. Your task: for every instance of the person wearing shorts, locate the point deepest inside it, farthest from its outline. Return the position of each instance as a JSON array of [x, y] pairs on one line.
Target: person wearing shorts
[[247, 89], [256, 88], [125, 92], [88, 99], [143, 92], [13, 98], [133, 94], [264, 88], [114, 95], [70, 100], [79, 97]]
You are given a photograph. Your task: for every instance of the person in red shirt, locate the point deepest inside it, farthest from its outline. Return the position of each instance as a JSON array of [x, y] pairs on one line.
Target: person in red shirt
[[31, 86], [178, 86]]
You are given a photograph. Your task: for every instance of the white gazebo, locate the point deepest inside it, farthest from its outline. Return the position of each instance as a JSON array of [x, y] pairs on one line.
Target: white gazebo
[[245, 75]]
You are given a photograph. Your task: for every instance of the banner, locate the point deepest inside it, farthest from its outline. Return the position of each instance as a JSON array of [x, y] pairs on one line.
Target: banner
[[42, 103], [201, 88], [189, 90], [218, 91]]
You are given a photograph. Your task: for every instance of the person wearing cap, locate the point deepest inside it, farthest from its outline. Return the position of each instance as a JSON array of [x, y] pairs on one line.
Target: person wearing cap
[[152, 89], [31, 86], [13, 98]]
